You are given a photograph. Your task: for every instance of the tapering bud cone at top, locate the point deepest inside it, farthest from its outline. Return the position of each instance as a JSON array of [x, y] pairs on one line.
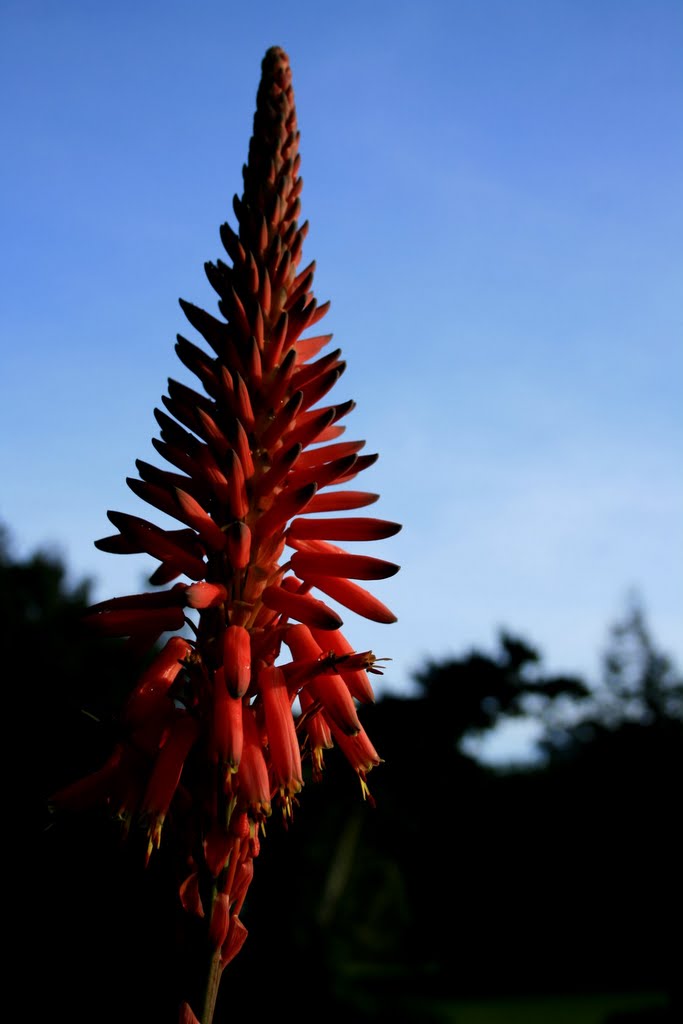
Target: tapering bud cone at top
[[253, 465]]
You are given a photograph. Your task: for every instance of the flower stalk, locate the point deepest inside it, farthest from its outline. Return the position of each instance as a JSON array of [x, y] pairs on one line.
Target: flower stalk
[[215, 731]]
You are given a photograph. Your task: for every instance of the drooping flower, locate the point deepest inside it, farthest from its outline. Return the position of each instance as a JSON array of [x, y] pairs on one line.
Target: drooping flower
[[255, 461]]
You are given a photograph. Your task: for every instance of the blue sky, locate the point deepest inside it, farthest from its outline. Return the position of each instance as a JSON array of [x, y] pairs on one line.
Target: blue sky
[[495, 191]]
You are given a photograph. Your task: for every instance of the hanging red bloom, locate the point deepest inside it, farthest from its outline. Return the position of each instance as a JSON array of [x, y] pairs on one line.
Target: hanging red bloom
[[214, 717]]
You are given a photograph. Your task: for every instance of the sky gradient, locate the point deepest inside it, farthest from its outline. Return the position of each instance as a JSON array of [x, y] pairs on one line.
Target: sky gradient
[[495, 191]]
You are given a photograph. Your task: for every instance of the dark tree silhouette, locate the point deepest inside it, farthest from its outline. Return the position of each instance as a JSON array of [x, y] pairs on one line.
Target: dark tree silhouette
[[638, 700], [471, 695], [67, 682], [103, 927], [463, 880], [640, 683]]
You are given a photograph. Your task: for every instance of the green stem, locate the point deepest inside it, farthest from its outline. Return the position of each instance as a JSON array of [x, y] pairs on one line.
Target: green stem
[[213, 978], [212, 983]]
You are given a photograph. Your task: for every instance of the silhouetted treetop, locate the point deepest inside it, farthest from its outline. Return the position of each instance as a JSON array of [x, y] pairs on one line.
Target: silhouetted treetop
[[473, 693], [640, 683], [634, 712]]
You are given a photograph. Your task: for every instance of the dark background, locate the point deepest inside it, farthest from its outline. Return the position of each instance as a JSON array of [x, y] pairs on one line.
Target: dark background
[[463, 882]]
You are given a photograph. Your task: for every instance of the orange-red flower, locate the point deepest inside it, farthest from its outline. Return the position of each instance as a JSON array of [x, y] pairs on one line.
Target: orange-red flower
[[211, 728]]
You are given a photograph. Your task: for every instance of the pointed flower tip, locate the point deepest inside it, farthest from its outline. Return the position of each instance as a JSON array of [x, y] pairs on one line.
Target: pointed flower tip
[[187, 1015], [190, 897]]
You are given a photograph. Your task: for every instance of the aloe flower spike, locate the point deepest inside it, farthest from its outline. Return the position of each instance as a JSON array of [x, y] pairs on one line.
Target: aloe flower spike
[[211, 737]]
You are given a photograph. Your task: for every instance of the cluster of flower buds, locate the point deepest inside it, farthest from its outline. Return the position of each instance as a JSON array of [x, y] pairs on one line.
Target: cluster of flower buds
[[216, 727]]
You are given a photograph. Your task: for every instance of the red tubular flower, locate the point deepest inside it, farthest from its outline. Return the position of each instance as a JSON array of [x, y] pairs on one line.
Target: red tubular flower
[[99, 787], [283, 745], [236, 936], [359, 567], [226, 739], [353, 597], [355, 676], [237, 660], [212, 736], [150, 697], [317, 730], [342, 529], [189, 895], [165, 775], [358, 751], [220, 920], [328, 689], [253, 786], [301, 607], [241, 883]]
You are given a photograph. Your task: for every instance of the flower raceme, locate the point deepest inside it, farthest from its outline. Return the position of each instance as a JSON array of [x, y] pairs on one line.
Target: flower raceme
[[256, 464]]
